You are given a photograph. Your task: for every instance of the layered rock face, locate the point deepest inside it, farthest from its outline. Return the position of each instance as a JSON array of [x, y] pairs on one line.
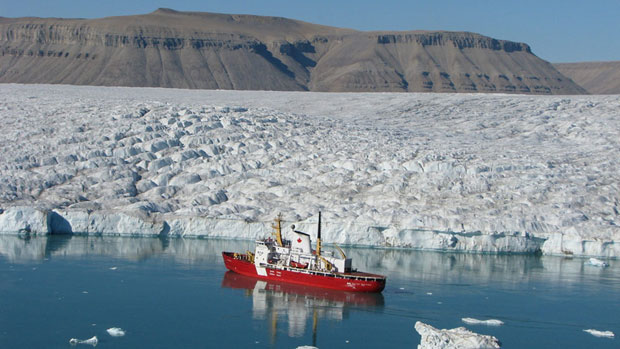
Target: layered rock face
[[596, 77], [167, 48]]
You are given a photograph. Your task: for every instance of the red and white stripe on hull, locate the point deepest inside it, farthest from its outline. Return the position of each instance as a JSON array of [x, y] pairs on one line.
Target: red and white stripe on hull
[[355, 281]]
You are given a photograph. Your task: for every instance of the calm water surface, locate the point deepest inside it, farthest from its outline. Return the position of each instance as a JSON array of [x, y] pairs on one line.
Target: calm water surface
[[176, 293]]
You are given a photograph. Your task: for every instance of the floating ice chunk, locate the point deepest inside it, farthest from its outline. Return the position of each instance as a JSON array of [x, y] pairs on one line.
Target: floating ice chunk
[[116, 332], [429, 293], [91, 341], [597, 263], [113, 268], [454, 338], [489, 322], [597, 333]]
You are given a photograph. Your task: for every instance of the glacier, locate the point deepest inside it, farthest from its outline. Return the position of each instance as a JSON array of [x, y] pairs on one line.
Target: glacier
[[456, 172]]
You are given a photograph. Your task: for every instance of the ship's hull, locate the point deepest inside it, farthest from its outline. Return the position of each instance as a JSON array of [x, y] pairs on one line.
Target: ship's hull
[[355, 282], [365, 299]]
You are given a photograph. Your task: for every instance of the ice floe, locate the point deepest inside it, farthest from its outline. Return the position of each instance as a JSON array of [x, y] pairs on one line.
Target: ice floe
[[91, 341], [489, 322], [457, 172], [456, 338], [597, 333]]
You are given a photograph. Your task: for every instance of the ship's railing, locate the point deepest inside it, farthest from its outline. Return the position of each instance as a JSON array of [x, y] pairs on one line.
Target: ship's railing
[[248, 256], [326, 274]]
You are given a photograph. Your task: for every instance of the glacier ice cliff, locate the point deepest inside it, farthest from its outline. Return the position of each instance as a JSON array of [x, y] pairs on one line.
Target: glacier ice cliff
[[454, 172]]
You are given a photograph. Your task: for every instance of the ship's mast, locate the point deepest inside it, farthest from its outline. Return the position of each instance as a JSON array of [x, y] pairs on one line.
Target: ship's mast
[[278, 229], [328, 264], [318, 237]]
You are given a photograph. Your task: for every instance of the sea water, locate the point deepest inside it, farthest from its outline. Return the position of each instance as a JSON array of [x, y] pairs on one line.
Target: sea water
[[172, 293]]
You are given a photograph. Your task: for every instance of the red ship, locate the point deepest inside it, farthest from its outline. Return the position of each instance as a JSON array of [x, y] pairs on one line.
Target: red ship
[[296, 262]]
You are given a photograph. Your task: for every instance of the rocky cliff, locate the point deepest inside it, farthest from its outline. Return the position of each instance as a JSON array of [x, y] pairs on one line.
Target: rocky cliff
[[596, 77], [167, 48]]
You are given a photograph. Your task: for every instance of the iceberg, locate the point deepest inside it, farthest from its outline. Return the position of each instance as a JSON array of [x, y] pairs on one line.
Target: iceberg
[[520, 174], [456, 338]]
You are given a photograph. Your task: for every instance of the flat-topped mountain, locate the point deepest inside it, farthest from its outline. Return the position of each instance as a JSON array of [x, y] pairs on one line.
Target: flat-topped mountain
[[596, 77], [167, 48]]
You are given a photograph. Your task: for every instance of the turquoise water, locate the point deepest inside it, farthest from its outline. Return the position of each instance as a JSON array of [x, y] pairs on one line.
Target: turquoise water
[[176, 293]]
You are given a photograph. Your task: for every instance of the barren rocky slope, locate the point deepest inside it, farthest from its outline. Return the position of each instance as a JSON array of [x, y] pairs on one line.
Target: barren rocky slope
[[167, 48], [596, 77]]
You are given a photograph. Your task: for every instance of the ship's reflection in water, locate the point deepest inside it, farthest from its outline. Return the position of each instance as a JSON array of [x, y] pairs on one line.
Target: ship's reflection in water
[[273, 301]]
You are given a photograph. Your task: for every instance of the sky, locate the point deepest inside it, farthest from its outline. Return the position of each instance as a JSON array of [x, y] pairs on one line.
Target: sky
[[556, 30]]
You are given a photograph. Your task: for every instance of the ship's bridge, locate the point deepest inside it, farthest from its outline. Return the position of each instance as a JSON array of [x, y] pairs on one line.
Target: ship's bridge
[[301, 243]]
